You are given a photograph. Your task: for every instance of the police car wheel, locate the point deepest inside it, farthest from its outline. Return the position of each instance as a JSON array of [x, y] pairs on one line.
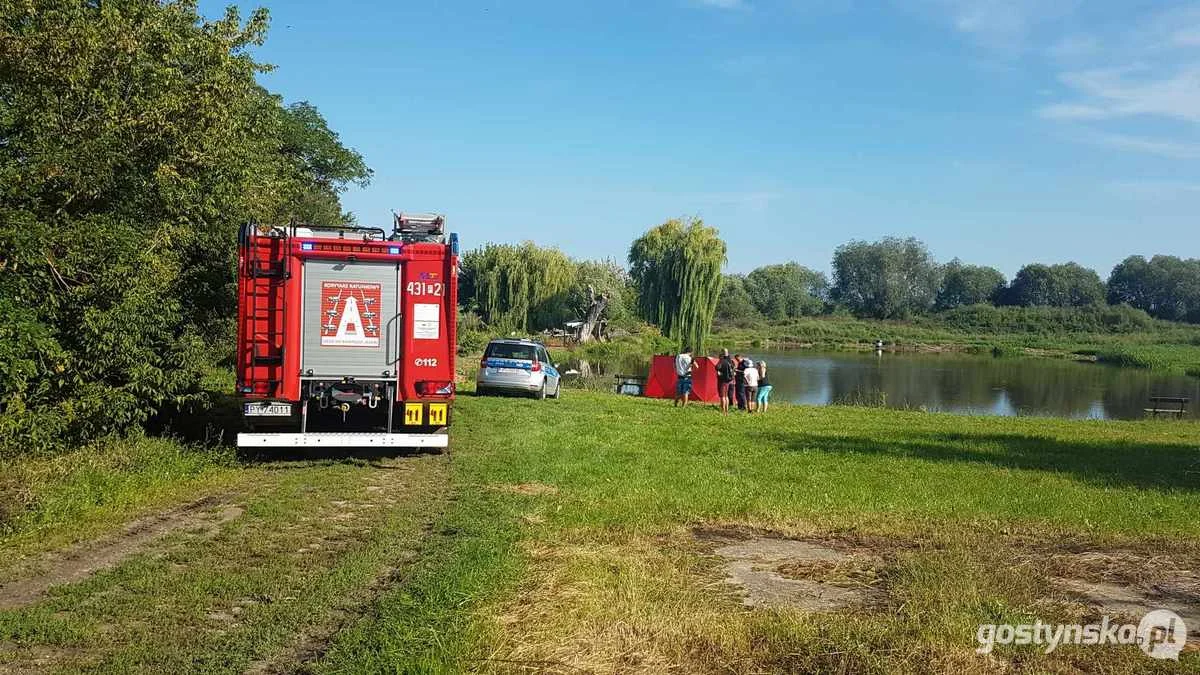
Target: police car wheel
[[541, 393]]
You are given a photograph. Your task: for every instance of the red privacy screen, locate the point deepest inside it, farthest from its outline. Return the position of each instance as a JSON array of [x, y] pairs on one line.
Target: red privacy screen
[[661, 382]]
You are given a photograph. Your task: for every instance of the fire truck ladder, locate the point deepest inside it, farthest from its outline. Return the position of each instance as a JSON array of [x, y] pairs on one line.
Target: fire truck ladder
[[268, 271]]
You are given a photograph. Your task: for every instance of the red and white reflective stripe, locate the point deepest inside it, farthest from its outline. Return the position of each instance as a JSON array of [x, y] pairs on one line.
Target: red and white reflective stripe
[[340, 440]]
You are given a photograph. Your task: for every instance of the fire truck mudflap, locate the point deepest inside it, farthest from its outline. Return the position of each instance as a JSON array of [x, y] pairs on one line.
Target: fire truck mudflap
[[346, 337]]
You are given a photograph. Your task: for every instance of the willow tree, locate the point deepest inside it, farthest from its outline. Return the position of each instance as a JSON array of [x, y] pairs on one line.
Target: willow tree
[[677, 270], [507, 282]]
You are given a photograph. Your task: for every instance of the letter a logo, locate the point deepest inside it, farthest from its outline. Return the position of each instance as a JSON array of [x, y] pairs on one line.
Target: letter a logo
[[349, 311], [350, 325]]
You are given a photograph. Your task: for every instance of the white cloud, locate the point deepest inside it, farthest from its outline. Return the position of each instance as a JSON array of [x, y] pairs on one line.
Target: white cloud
[[1138, 73], [1128, 92], [1154, 189], [1071, 111], [1074, 47], [1004, 27], [1154, 146]]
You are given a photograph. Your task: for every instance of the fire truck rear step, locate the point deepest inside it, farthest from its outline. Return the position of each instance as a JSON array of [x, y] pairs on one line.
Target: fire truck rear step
[[343, 440]]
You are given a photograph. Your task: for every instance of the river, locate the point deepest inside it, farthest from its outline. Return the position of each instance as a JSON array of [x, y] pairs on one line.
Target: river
[[970, 385]]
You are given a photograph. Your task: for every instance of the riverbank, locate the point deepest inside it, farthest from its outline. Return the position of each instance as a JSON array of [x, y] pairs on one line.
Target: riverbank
[[1156, 345], [606, 533]]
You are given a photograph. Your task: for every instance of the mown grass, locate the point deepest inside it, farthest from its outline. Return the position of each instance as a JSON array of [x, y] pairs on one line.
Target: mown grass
[[598, 570], [562, 538]]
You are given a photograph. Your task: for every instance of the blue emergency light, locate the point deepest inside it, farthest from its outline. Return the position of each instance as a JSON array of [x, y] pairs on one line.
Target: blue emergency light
[[394, 250], [307, 246]]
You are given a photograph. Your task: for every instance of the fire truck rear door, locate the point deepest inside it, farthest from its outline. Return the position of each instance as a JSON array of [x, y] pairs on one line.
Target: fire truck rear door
[[350, 319]]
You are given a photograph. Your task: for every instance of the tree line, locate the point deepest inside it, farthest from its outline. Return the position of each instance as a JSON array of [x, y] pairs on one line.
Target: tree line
[[674, 281], [898, 278]]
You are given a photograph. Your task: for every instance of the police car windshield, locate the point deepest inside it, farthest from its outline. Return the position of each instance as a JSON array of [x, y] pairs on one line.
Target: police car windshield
[[503, 350]]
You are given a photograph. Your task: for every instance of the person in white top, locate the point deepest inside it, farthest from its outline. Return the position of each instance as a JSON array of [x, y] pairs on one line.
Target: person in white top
[[751, 386], [684, 365]]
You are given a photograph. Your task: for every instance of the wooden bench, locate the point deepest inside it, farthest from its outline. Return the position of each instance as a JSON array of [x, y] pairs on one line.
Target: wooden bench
[[631, 385], [1168, 405]]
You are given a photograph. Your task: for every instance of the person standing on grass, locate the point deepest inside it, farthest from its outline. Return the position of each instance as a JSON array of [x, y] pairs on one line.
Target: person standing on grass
[[751, 376], [684, 365], [739, 380], [764, 387], [726, 370]]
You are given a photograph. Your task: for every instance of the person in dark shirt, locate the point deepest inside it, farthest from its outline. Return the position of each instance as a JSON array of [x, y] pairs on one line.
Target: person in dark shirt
[[739, 380], [726, 370]]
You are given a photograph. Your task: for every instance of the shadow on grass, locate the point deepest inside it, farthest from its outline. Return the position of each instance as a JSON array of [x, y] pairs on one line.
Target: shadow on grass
[[220, 423], [283, 458], [1143, 464], [217, 424]]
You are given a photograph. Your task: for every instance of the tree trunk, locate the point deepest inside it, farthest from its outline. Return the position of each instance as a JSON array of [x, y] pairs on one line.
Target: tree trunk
[[596, 306]]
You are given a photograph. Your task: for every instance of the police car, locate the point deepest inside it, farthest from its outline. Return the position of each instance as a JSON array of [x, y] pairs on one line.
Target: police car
[[521, 366]]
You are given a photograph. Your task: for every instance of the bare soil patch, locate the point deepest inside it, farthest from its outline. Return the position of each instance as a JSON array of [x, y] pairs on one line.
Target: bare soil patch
[[772, 571], [1128, 584], [832, 572], [203, 518], [528, 489]]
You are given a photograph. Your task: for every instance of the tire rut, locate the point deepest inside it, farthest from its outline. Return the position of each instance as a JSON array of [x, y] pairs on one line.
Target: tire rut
[[80, 561]]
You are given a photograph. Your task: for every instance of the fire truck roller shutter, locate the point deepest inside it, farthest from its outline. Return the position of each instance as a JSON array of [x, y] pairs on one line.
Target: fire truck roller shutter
[[350, 322]]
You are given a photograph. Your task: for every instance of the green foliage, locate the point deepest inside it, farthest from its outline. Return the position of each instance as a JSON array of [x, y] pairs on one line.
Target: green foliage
[[1064, 285], [133, 142], [891, 278], [507, 284], [734, 305], [1165, 286], [1044, 320], [968, 285], [677, 270], [1169, 358], [787, 291], [603, 277]]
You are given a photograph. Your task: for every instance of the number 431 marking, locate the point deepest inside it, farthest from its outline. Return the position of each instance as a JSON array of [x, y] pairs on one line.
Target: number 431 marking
[[418, 288]]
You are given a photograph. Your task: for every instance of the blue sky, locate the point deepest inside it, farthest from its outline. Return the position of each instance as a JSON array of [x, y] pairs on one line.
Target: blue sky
[[1000, 133]]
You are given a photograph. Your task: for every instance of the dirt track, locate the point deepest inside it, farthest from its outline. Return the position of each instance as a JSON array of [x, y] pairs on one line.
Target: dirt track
[[257, 580]]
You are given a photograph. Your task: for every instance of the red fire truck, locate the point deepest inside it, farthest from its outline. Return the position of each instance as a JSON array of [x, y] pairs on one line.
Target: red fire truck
[[346, 334]]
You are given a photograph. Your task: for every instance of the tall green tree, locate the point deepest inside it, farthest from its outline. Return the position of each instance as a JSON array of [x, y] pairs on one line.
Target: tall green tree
[[676, 268], [968, 285], [1166, 287], [890, 278], [1063, 285], [735, 306], [787, 291], [604, 278], [134, 140], [509, 284]]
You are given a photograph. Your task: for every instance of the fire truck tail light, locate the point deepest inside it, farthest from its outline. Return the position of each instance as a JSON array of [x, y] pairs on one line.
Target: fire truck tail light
[[426, 388]]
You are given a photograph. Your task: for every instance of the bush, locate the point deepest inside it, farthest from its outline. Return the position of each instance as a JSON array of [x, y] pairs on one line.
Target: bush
[[1042, 320]]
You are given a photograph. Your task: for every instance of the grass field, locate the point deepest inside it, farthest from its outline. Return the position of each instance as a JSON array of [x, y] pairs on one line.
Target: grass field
[[582, 535]]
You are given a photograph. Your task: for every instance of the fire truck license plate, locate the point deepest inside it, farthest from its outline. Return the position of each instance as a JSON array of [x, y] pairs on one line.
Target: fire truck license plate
[[437, 413], [268, 409], [414, 413]]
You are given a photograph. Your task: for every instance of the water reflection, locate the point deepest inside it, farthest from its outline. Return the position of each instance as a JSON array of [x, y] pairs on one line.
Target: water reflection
[[968, 384]]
